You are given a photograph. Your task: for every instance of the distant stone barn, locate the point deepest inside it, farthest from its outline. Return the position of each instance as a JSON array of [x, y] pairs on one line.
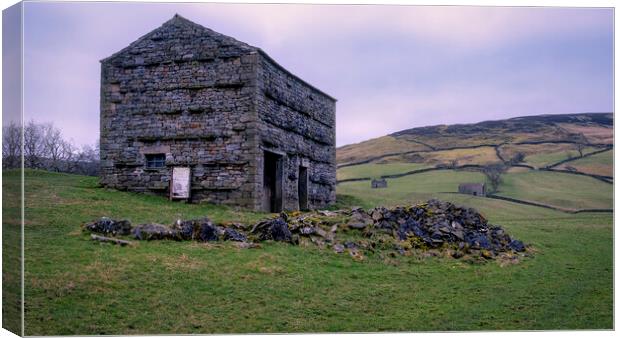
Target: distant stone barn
[[476, 189], [251, 133], [378, 183]]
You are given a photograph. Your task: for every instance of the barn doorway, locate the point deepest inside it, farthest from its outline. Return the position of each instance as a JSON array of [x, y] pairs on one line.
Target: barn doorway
[[302, 188], [272, 182]]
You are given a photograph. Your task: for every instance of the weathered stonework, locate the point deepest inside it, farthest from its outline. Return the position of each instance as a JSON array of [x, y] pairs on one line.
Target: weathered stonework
[[245, 126]]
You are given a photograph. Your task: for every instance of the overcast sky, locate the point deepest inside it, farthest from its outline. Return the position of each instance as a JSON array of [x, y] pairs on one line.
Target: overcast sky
[[390, 67]]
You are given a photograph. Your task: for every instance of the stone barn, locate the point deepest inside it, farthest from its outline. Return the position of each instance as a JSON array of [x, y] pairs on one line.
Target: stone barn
[[235, 126], [378, 183], [476, 189]]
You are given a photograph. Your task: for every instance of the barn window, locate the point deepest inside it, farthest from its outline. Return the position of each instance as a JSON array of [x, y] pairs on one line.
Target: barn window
[[155, 160]]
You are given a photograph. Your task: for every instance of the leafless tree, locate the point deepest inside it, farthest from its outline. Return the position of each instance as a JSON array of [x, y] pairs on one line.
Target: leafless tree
[[86, 160], [494, 172], [58, 151], [11, 145], [517, 158], [33, 145], [44, 147], [581, 142], [580, 148]]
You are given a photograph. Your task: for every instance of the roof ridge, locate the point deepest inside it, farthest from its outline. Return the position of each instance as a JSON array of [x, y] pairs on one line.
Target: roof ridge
[[176, 18]]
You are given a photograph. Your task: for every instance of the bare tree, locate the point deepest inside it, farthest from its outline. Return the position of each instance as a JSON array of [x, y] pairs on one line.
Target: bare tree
[[86, 160], [44, 147], [581, 142], [57, 151], [33, 145], [494, 172], [580, 147], [517, 158], [11, 145]]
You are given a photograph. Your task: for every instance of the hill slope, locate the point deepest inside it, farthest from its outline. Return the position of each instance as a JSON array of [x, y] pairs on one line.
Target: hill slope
[[546, 139]]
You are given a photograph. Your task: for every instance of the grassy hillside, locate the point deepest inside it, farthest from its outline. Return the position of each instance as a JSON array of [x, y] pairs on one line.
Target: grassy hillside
[[407, 190], [377, 169], [559, 135], [75, 286], [378, 146], [558, 189], [598, 164], [564, 191], [542, 155]]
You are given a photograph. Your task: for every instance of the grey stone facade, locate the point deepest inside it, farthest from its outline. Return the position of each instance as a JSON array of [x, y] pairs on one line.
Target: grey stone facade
[[476, 189], [253, 134]]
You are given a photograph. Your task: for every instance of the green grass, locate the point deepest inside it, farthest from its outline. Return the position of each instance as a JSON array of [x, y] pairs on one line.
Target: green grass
[[410, 189], [544, 159], [75, 286], [375, 170], [597, 164], [11, 254], [558, 189], [442, 184]]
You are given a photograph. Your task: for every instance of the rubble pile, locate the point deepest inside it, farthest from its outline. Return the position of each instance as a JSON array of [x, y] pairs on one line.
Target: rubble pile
[[108, 226], [436, 223], [428, 227]]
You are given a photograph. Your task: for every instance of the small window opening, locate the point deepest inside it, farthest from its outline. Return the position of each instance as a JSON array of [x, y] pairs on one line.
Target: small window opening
[[155, 160]]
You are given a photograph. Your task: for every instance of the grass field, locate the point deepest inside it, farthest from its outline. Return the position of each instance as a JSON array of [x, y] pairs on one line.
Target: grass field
[[541, 155], [558, 189], [480, 156], [11, 253], [443, 184], [410, 189], [597, 164], [544, 159], [375, 170], [75, 286]]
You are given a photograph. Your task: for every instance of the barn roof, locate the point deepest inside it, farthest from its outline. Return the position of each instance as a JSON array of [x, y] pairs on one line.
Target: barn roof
[[145, 41], [471, 185]]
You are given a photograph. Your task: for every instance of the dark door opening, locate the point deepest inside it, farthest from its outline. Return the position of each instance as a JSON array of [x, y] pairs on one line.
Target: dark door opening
[[272, 182], [302, 188]]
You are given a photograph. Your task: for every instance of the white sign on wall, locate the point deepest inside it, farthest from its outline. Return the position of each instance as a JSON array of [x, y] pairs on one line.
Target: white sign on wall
[[180, 186]]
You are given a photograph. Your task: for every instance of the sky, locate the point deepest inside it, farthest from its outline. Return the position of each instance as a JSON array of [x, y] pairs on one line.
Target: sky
[[390, 67]]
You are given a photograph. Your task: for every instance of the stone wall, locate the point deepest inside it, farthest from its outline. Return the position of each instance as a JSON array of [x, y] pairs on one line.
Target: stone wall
[[298, 121]]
